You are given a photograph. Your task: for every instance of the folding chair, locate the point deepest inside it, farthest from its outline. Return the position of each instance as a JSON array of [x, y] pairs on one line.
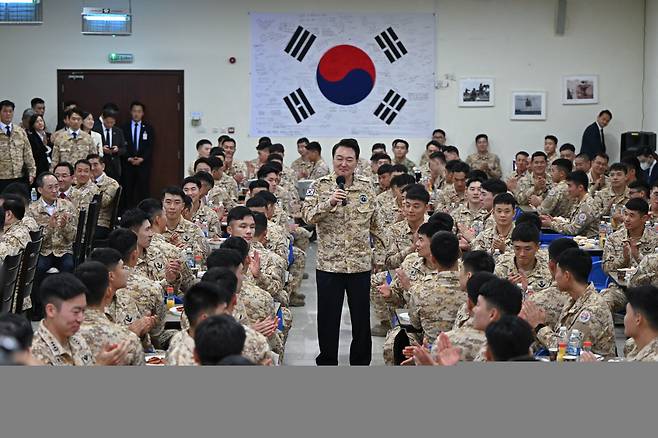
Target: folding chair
[[10, 270], [26, 275]]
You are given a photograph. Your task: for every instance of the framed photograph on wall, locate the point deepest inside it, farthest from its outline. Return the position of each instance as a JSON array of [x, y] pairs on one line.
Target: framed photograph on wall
[[528, 105], [580, 90], [475, 92]]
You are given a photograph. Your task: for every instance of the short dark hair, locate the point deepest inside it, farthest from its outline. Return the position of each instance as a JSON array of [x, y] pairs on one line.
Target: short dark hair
[[109, 257], [416, 192], [503, 295], [639, 205], [202, 160], [384, 168], [504, 199], [445, 248], [19, 189], [268, 196], [82, 161], [558, 246], [538, 154], [438, 155], [605, 111], [631, 162], [400, 168], [508, 338], [274, 156], [277, 148], [494, 186], [122, 241], [137, 103], [238, 244], [36, 101], [110, 113], [347, 143], [60, 287], [644, 300], [522, 153], [378, 146], [439, 131], [226, 280], [256, 202], [235, 360], [17, 327], [403, 180], [201, 297], [260, 222], [450, 149], [174, 191], [579, 178], [275, 165], [74, 110], [204, 177], [525, 232], [577, 262], [7, 103], [302, 140], [461, 167], [551, 138], [478, 261], [618, 167], [568, 147], [202, 142], [224, 258], [265, 170], [133, 218], [400, 140], [429, 229], [476, 174], [217, 152], [96, 278], [529, 217], [314, 146], [380, 156], [238, 213], [42, 176], [259, 183], [582, 155], [152, 207], [217, 337], [444, 221], [15, 204], [432, 143], [479, 136], [475, 283], [191, 180], [602, 155], [564, 165], [641, 186]]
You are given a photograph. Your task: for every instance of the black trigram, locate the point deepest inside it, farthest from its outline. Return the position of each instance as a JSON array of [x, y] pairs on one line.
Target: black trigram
[[299, 106], [300, 43], [391, 45], [390, 107]]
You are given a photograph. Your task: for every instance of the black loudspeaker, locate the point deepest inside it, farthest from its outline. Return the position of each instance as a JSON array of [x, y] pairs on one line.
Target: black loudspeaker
[[633, 141]]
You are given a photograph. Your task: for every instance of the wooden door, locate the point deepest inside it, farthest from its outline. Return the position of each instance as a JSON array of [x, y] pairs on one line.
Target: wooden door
[[161, 91]]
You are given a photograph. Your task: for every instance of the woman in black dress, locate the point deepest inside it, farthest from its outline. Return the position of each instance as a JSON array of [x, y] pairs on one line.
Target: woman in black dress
[[39, 149]]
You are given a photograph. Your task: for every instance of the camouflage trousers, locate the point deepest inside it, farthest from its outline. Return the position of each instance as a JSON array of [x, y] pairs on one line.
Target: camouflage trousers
[[615, 297], [302, 238], [382, 312], [388, 345], [296, 271], [287, 323]]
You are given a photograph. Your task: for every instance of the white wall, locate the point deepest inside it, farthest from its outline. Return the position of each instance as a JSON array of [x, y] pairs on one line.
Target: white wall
[[511, 40], [651, 68]]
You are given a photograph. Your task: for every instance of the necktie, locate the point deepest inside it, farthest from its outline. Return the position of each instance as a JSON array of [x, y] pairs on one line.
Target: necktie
[[8, 131], [107, 136], [62, 195], [136, 137], [602, 140], [75, 134]]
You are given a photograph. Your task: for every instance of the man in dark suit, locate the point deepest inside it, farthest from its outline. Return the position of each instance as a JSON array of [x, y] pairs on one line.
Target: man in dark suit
[[593, 137], [137, 161], [114, 144], [648, 162]]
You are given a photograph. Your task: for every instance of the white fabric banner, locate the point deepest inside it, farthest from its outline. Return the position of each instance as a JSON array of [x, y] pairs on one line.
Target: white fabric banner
[[342, 75]]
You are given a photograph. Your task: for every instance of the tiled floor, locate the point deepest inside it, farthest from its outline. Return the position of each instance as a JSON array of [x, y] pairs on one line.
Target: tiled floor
[[302, 345]]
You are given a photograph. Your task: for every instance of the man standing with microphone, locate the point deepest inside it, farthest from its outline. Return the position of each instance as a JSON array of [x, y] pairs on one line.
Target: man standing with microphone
[[343, 207]]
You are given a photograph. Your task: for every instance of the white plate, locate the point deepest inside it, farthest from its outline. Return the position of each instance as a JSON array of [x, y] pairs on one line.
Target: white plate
[[149, 356], [174, 311]]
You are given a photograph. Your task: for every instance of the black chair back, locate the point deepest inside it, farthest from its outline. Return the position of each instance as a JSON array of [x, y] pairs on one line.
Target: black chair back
[[36, 235], [26, 275], [78, 253], [90, 227], [10, 270], [115, 208]]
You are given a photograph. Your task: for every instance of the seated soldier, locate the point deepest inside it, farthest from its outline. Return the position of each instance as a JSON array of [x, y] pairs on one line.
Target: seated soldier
[[584, 217], [488, 191], [20, 328], [453, 194], [568, 152], [638, 189], [586, 310], [202, 215], [272, 272], [384, 176], [437, 172], [552, 299], [85, 188], [532, 188], [641, 324], [626, 247], [483, 159], [525, 267], [179, 231], [108, 188], [222, 181], [509, 339], [216, 338], [203, 147], [64, 174], [434, 302], [610, 200], [472, 262], [521, 164], [57, 341], [277, 238], [14, 236], [498, 238], [390, 201], [557, 201], [470, 216], [96, 328], [318, 167]]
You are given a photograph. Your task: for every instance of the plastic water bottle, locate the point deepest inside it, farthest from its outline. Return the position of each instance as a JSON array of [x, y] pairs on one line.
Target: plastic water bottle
[[647, 226], [204, 228], [603, 233], [496, 254], [189, 257], [573, 347], [562, 335], [33, 194]]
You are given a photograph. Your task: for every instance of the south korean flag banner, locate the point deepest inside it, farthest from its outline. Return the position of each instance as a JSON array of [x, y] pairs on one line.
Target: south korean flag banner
[[340, 75]]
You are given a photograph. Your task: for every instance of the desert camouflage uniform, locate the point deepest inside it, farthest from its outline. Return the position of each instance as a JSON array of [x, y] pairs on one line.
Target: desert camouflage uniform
[[463, 318], [163, 252], [399, 238], [191, 235], [389, 208], [302, 168], [343, 231], [14, 239], [57, 241], [591, 189], [364, 169], [69, 149], [589, 314], [98, 331], [435, 189], [478, 161], [278, 240], [123, 310], [606, 198], [647, 272], [229, 185], [405, 162], [47, 349], [219, 195], [16, 154], [206, 215], [465, 217], [468, 339], [259, 305], [236, 167], [256, 348], [552, 301], [554, 156], [648, 354], [319, 169], [538, 278], [484, 241], [108, 187], [82, 196], [583, 221], [434, 302], [181, 350], [525, 188], [30, 223], [272, 273], [557, 202], [448, 200]]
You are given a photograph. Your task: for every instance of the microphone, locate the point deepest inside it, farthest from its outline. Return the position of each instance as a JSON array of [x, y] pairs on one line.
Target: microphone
[[340, 180]]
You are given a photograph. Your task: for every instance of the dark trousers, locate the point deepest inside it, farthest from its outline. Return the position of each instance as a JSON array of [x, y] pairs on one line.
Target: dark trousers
[[331, 292], [135, 184], [101, 233], [5, 182], [63, 264]]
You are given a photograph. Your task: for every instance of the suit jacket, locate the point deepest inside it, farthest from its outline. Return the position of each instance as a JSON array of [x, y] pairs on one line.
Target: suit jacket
[[39, 152], [652, 177], [591, 144], [145, 135], [113, 161]]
